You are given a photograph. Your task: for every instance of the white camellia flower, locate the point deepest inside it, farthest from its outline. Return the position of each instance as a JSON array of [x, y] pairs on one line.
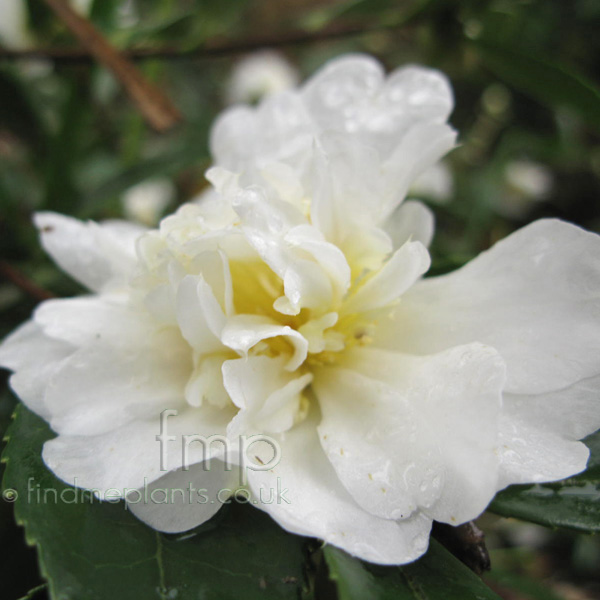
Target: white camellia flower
[[529, 178], [14, 32], [435, 184], [290, 302], [259, 74], [14, 28], [526, 183], [146, 202]]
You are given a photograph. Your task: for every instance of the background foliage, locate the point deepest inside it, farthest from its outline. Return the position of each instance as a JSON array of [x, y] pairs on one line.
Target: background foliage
[[525, 75]]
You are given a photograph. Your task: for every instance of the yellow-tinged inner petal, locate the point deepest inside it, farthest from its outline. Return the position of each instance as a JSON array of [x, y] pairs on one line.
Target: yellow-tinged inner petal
[[243, 320]]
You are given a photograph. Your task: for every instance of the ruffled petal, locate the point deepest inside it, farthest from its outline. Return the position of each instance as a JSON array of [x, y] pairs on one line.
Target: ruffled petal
[[303, 494], [411, 221], [538, 433], [99, 256], [129, 457], [406, 433], [531, 454], [278, 129], [101, 386], [401, 271], [34, 357], [243, 332], [533, 296], [182, 500], [421, 147], [268, 395], [87, 320], [573, 412], [199, 315]]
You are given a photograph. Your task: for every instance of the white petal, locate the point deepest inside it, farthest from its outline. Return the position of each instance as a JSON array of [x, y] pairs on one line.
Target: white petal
[[406, 432], [268, 395], [182, 500], [400, 119], [411, 221], [533, 296], [278, 129], [285, 182], [233, 136], [199, 315], [424, 93], [532, 454], [435, 184], [14, 31], [349, 195], [259, 74], [266, 224], [214, 268], [330, 257], [538, 433], [401, 271], [206, 382], [101, 386], [34, 358], [84, 320], [249, 381], [129, 457], [97, 255], [242, 332], [302, 493], [572, 413], [421, 147], [366, 248], [337, 93], [306, 285]]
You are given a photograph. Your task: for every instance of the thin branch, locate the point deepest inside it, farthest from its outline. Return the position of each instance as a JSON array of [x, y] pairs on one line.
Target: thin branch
[[212, 48], [24, 283], [152, 103], [466, 542]]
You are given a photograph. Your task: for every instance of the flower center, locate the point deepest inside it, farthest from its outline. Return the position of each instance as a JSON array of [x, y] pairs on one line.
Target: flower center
[[227, 302], [256, 289]]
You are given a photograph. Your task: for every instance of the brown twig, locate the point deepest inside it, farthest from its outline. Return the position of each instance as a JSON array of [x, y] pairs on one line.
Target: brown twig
[[24, 283], [152, 103], [466, 542], [212, 48]]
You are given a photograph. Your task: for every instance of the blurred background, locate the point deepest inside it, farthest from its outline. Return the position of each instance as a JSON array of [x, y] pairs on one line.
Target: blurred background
[[525, 75]]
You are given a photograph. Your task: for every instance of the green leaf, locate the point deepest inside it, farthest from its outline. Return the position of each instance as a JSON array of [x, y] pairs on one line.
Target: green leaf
[[17, 112], [167, 164], [438, 575], [35, 592], [572, 503], [525, 586], [65, 149], [385, 12], [94, 551], [549, 83]]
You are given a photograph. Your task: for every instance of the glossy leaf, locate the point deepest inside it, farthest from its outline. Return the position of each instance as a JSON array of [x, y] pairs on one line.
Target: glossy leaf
[[93, 551], [438, 575], [549, 83], [18, 114]]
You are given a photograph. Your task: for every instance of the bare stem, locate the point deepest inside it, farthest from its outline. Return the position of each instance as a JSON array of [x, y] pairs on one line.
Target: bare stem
[[212, 48], [24, 283], [157, 109]]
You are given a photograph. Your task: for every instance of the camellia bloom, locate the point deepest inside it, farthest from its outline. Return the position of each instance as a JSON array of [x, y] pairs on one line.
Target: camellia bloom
[[290, 301], [435, 184], [526, 183], [260, 74], [14, 28], [146, 202]]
